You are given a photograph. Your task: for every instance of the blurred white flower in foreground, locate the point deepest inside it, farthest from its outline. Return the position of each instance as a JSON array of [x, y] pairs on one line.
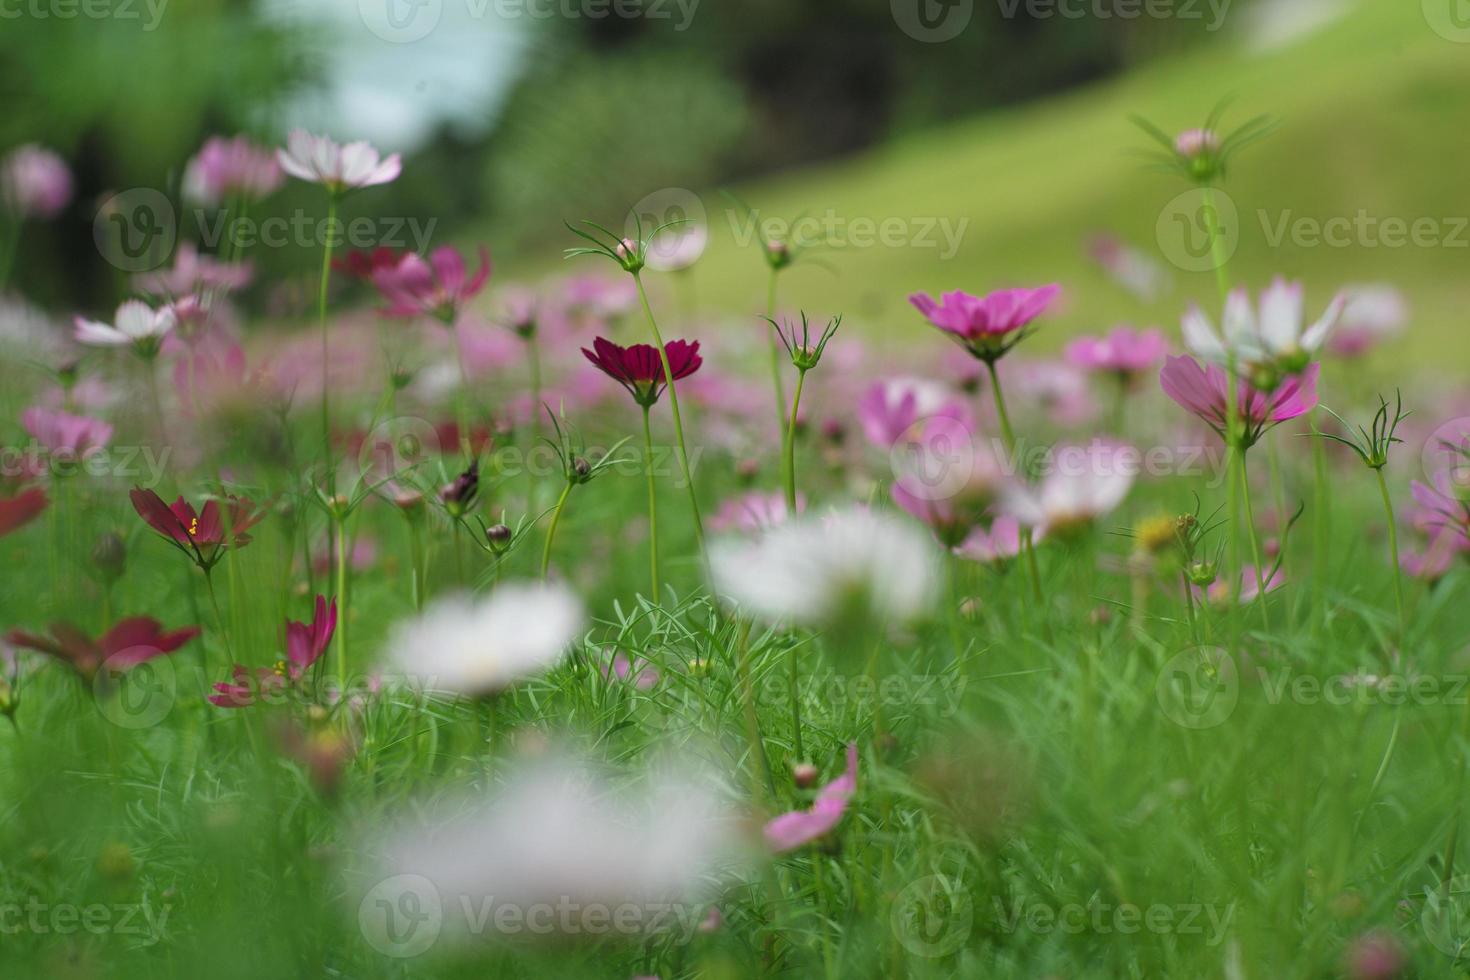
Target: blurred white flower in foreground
[[811, 570], [473, 646], [558, 842], [1083, 483]]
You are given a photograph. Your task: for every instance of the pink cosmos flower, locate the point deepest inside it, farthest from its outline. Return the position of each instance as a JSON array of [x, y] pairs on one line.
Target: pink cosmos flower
[[1000, 543], [1443, 508], [203, 535], [227, 168], [438, 288], [129, 643], [34, 182], [754, 512], [195, 273], [643, 677], [986, 326], [638, 367], [1082, 484], [1437, 558], [1220, 592], [339, 168], [791, 830], [64, 434], [18, 511], [305, 644], [1370, 314], [1202, 391], [890, 408], [1124, 351], [136, 324]]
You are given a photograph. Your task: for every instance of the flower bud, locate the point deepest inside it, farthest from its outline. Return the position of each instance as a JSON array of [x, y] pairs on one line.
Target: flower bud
[[459, 495], [834, 431], [778, 255], [581, 467], [1202, 574], [804, 775], [109, 557], [498, 537]]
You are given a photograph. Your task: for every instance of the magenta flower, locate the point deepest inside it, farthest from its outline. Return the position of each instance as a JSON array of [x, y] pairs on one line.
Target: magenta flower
[[202, 535], [194, 273], [1443, 508], [338, 168], [986, 326], [129, 643], [305, 644], [1124, 351], [890, 409], [640, 370], [754, 512], [1249, 589], [1202, 390], [438, 288], [229, 168], [791, 830], [1196, 142], [65, 435], [1000, 543], [1438, 556], [18, 511], [365, 265], [34, 182]]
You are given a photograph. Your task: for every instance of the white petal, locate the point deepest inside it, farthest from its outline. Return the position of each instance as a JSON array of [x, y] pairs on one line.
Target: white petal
[[1316, 335], [98, 334], [1281, 316], [1241, 335], [1199, 337]]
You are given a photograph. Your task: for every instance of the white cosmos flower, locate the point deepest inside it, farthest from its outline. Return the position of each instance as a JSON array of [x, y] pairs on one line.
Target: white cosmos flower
[[558, 835], [340, 168], [1083, 484], [1274, 333], [136, 324], [810, 570], [464, 645]]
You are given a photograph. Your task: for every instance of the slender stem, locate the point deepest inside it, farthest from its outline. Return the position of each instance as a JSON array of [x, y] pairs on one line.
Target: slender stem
[[791, 446], [1006, 432], [1320, 522], [322, 323], [1250, 528], [663, 356], [1189, 606], [561, 503], [1393, 553], [339, 534], [652, 503], [8, 247], [776, 383], [218, 616], [794, 678], [752, 720]]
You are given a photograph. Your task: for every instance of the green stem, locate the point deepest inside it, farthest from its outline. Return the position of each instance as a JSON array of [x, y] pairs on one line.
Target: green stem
[[339, 534], [1008, 434], [218, 616], [1320, 523], [561, 503], [1189, 606], [1250, 528], [663, 356], [791, 447], [652, 503], [776, 383], [322, 323], [1393, 553]]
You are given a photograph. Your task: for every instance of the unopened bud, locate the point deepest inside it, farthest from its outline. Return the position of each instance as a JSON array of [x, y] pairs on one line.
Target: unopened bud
[[581, 467], [804, 775], [110, 557], [498, 536]]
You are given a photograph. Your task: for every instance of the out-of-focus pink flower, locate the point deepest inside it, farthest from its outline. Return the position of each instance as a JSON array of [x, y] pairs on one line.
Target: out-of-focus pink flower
[[1202, 391], [677, 248], [1442, 508], [1375, 956], [754, 512], [644, 677], [208, 377], [1196, 142], [1055, 386], [364, 265], [605, 298], [136, 324], [1133, 270], [18, 511], [1000, 543], [890, 408], [1370, 314], [1123, 351], [1438, 556], [34, 182], [227, 168], [439, 287], [195, 273], [360, 557], [339, 168], [987, 326], [945, 477], [64, 434], [1082, 484], [791, 830], [129, 643], [1249, 588]]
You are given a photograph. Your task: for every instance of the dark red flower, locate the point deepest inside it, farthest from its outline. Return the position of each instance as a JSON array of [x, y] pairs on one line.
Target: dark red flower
[[202, 535], [129, 643], [361, 264], [20, 510], [639, 369], [305, 644]]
